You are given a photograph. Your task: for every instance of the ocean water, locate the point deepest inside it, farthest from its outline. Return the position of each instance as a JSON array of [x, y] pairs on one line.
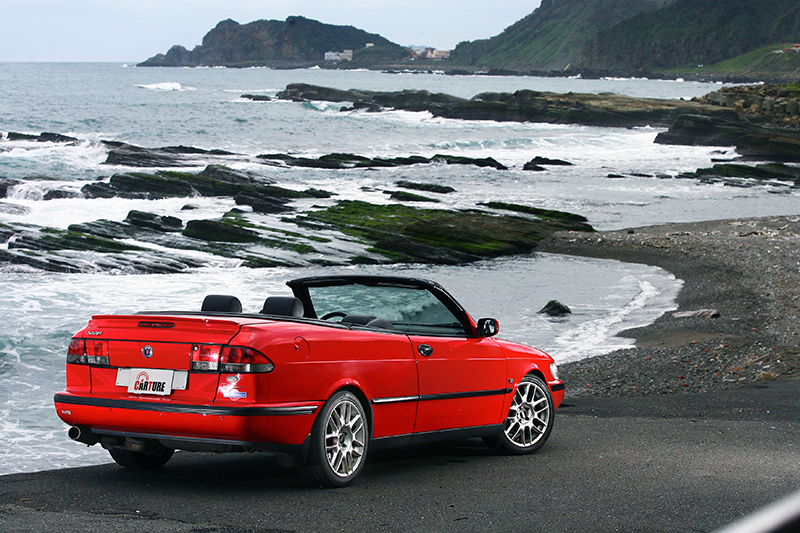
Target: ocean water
[[203, 108]]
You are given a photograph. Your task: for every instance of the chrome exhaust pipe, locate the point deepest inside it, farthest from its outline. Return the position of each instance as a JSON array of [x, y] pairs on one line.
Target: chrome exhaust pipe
[[83, 434]]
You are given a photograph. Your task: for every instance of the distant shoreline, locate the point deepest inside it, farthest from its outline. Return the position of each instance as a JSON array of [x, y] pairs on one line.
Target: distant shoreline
[[744, 269]]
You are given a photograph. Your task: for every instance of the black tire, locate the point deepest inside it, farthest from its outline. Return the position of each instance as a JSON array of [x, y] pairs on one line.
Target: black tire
[[530, 418], [147, 460], [339, 441]]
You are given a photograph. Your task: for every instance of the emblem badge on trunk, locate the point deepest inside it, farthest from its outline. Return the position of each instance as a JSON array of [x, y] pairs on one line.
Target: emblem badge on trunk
[[147, 351]]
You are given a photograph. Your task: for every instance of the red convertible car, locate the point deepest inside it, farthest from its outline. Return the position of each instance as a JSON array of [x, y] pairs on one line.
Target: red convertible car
[[346, 365]]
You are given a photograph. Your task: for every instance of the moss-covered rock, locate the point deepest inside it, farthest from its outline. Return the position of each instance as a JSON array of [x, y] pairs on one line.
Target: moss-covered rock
[[429, 187], [219, 231], [405, 234]]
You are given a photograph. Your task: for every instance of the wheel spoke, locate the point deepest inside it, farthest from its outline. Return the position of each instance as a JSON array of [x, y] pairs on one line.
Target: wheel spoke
[[345, 437], [528, 416]]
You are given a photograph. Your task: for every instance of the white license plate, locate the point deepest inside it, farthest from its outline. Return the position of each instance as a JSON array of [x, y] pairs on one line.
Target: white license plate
[[150, 381]]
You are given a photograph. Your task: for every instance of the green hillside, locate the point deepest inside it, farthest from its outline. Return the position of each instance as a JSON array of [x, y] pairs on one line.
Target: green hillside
[[551, 37], [689, 33], [780, 61]]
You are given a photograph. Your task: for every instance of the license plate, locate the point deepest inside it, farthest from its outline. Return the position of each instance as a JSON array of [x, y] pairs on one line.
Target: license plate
[[150, 381]]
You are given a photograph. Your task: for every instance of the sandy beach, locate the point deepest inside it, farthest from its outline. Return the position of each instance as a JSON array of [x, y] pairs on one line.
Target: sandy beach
[[738, 316]]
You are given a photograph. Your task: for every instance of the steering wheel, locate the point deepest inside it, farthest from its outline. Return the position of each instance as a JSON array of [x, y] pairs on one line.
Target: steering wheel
[[333, 314]]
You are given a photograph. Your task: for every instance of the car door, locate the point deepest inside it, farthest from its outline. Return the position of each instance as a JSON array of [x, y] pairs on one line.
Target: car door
[[462, 382]]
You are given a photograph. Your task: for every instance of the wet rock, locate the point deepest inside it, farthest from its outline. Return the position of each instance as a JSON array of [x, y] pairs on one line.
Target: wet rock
[[555, 308], [578, 222], [736, 174], [533, 167], [520, 106], [214, 230], [58, 194], [213, 181], [263, 204], [129, 155], [341, 161], [154, 222], [403, 233], [544, 161], [403, 196], [753, 140], [257, 97], [42, 137], [429, 187], [6, 184]]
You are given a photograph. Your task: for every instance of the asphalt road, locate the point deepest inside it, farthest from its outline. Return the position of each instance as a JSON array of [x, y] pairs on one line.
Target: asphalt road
[[691, 462]]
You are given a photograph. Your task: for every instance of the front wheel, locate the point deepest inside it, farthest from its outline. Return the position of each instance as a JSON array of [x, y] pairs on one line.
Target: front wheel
[[339, 440], [530, 418]]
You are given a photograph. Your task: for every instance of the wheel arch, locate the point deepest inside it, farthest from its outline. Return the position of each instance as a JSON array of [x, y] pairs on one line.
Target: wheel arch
[[365, 403]]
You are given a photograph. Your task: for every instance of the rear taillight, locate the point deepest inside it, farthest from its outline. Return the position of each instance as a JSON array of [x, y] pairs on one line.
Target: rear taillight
[[237, 359], [205, 357], [230, 359], [88, 352]]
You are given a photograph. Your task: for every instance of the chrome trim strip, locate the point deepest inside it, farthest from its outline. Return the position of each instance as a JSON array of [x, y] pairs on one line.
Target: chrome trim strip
[[187, 409], [399, 399], [443, 396]]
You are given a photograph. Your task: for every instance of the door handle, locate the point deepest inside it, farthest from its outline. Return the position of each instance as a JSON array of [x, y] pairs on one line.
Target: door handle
[[425, 350]]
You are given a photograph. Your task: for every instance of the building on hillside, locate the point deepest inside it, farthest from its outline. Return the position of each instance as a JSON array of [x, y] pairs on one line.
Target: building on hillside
[[432, 53], [346, 55]]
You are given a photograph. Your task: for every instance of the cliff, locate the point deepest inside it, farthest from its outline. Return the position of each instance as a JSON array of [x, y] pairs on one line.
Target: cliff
[[552, 37], [295, 42], [692, 33]]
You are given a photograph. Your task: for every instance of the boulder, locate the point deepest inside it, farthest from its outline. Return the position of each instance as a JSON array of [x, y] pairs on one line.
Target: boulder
[[555, 308]]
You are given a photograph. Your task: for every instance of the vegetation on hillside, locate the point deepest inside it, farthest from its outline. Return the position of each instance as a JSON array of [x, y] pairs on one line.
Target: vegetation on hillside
[[551, 37], [690, 33]]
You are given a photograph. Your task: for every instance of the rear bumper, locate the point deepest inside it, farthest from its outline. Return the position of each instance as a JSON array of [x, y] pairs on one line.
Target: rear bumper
[[279, 427]]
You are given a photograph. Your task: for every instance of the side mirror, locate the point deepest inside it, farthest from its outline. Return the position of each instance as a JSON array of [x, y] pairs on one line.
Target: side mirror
[[488, 327]]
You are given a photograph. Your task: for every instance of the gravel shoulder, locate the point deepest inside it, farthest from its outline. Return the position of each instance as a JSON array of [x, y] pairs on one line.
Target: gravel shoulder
[[741, 293]]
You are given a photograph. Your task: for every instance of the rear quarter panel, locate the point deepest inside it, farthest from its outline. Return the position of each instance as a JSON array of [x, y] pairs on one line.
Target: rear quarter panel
[[313, 361]]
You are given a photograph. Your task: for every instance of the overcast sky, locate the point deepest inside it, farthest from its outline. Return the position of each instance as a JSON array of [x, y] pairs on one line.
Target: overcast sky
[[134, 30]]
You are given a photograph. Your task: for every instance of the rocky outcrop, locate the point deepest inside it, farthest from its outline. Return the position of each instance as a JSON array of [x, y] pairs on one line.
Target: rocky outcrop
[[406, 234], [150, 243], [341, 161], [294, 43], [520, 106], [752, 140], [129, 155], [739, 175], [214, 180]]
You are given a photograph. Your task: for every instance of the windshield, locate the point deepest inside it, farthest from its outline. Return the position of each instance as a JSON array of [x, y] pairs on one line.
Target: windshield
[[405, 307]]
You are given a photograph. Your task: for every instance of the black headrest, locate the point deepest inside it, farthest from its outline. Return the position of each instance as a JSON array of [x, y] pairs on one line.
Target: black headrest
[[383, 323], [361, 320], [283, 306], [222, 302]]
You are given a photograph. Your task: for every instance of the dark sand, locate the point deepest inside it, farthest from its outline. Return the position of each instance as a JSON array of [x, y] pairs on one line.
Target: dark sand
[[746, 270]]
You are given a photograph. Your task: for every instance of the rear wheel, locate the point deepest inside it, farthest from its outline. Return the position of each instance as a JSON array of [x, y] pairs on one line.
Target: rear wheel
[[339, 440], [146, 460], [530, 418]]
